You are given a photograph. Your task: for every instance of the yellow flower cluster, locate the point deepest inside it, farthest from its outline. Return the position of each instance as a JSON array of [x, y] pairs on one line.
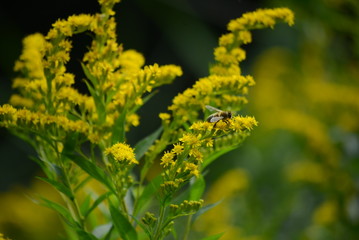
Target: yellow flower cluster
[[134, 85], [122, 153], [211, 89], [116, 79], [33, 51], [33, 86], [36, 121], [185, 158], [229, 54], [261, 18], [235, 124]]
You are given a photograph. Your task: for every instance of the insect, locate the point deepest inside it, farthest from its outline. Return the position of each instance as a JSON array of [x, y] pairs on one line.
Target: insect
[[218, 115]]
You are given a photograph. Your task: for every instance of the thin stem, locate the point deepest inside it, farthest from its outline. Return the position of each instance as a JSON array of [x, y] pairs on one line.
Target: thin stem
[[188, 227], [160, 221]]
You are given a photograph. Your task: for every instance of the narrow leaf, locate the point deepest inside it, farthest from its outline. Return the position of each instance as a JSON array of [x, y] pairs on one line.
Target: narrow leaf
[[100, 106], [148, 193], [216, 154], [204, 209], [85, 235], [59, 186], [143, 145], [123, 226], [85, 204], [118, 129], [82, 183], [93, 170], [138, 222], [70, 143], [89, 75], [59, 209], [97, 202]]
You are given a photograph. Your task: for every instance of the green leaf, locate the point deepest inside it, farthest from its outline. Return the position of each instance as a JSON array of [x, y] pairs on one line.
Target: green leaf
[[100, 106], [85, 205], [213, 237], [59, 186], [97, 202], [59, 209], [204, 209], [71, 142], [82, 183], [216, 154], [143, 226], [123, 226], [85, 235], [89, 76], [148, 193], [93, 170], [118, 129], [143, 145], [197, 188], [43, 164]]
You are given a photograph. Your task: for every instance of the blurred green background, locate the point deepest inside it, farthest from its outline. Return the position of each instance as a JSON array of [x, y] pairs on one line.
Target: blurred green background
[[296, 177]]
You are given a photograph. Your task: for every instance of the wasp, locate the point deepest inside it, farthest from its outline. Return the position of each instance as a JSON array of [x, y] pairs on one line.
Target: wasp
[[218, 115]]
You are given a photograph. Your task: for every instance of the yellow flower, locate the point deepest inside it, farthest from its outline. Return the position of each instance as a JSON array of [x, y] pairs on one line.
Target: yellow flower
[[243, 123], [194, 152], [192, 168], [165, 117], [122, 152], [131, 60], [82, 20], [177, 148], [201, 126], [226, 39], [31, 58], [17, 100], [167, 159], [133, 119], [261, 18], [191, 140]]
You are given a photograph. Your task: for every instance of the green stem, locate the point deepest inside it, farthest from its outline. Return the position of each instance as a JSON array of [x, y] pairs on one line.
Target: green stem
[[188, 227], [74, 207], [160, 221]]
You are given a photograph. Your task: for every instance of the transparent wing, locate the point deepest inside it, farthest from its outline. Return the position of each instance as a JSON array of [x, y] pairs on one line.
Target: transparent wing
[[215, 119], [213, 109]]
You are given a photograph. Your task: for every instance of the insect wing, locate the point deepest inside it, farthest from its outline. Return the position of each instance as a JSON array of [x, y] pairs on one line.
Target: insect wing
[[215, 119], [213, 109]]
